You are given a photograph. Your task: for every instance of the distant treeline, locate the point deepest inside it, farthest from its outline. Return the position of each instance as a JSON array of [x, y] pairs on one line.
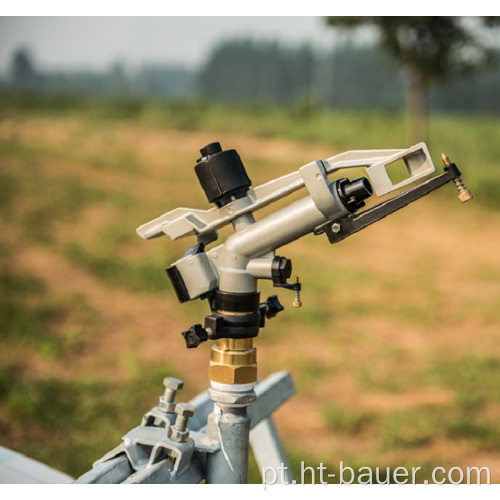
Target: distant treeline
[[267, 73]]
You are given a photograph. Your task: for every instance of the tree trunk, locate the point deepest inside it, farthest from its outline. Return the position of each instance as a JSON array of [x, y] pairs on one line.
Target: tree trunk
[[416, 106]]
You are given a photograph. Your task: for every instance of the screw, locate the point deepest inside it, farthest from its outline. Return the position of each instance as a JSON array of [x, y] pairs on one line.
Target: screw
[[167, 401], [184, 412]]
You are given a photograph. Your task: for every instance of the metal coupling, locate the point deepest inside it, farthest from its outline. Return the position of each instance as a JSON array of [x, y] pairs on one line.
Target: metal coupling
[[233, 361]]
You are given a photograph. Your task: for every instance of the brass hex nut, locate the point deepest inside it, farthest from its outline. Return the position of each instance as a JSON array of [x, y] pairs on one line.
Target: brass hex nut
[[233, 374]]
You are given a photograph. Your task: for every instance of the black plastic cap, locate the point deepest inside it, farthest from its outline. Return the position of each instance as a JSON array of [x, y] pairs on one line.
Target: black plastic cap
[[210, 149], [360, 189], [222, 174], [353, 193]]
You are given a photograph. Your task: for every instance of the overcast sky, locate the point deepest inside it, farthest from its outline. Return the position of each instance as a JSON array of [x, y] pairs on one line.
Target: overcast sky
[[96, 42]]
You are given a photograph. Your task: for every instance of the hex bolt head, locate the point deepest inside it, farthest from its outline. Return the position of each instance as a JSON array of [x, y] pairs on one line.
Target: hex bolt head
[[167, 401], [172, 384], [336, 227], [185, 410]]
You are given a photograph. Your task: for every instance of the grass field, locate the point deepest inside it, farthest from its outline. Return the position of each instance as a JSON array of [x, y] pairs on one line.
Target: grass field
[[395, 352]]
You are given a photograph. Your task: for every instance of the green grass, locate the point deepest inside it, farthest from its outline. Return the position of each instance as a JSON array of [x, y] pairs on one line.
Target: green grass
[[410, 429], [40, 320], [471, 142], [115, 271], [472, 375], [474, 381], [347, 422], [35, 201]]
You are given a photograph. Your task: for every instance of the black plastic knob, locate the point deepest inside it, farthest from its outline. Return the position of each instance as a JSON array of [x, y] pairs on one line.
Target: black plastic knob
[[194, 336], [272, 306]]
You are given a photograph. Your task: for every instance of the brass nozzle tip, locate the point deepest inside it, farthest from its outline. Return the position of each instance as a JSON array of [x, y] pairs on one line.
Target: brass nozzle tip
[[465, 195], [445, 159], [297, 304]]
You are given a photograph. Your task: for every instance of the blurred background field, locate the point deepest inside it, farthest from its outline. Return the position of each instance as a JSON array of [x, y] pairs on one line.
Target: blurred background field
[[395, 352]]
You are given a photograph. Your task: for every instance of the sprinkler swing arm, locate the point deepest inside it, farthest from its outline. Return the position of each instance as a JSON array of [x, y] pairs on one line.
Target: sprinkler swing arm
[[209, 438]]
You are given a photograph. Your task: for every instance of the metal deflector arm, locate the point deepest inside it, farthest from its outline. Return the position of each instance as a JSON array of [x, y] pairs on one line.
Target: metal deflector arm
[[182, 222], [350, 225]]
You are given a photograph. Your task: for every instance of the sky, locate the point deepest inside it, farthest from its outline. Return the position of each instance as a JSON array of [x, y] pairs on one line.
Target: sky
[[97, 42], [100, 38]]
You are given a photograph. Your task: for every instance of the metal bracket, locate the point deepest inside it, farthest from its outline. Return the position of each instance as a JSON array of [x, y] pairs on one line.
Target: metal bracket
[[350, 225], [147, 455], [145, 446]]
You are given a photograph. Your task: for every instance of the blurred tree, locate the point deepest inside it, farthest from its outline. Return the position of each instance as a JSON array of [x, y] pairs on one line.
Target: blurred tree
[[257, 72], [23, 73], [430, 49]]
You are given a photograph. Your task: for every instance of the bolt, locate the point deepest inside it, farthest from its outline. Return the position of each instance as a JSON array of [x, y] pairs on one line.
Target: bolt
[[336, 227], [172, 385], [184, 412], [167, 401], [179, 432]]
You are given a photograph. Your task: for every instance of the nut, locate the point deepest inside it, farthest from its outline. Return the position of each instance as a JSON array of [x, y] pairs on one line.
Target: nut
[[165, 406], [231, 374], [336, 227], [177, 436], [232, 398]]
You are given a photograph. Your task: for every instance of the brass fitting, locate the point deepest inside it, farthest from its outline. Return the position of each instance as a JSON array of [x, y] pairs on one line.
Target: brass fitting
[[296, 293], [463, 193], [233, 361], [445, 159]]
